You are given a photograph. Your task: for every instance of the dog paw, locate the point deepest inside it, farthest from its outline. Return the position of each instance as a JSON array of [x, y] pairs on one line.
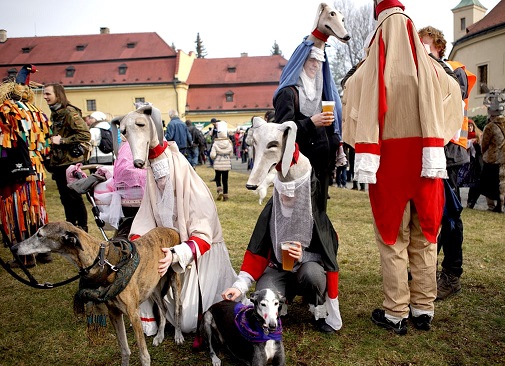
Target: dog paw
[[216, 361], [158, 340], [179, 338]]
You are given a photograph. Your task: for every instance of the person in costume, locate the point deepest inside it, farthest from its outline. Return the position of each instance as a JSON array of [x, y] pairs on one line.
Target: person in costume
[[23, 147], [293, 215], [451, 234], [70, 131], [305, 82], [175, 196], [400, 108]]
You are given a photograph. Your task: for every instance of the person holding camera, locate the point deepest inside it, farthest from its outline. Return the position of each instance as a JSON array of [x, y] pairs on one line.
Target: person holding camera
[[70, 133]]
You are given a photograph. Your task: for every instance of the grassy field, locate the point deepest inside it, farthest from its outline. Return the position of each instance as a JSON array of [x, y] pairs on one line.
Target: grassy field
[[38, 326]]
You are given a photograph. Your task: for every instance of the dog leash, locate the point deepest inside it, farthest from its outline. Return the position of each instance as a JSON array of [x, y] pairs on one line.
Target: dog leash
[[197, 343], [33, 282]]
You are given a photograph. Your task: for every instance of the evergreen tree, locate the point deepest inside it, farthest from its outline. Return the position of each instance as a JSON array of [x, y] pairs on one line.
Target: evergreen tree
[[276, 50], [200, 48]]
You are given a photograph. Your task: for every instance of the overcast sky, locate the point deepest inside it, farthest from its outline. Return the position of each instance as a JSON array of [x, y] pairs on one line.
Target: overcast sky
[[227, 28]]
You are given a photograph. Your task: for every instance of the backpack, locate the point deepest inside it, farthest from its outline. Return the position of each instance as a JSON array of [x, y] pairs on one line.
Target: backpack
[[106, 144]]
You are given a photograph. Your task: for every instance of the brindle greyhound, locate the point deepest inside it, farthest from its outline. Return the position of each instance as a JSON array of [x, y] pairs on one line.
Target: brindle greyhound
[[82, 249]]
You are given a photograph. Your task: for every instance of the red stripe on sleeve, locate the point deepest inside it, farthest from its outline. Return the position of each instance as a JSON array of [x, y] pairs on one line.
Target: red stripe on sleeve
[[410, 29], [254, 264], [433, 142], [383, 104], [367, 148], [203, 246]]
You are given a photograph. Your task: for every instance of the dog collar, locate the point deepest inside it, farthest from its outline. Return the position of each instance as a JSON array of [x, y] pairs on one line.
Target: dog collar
[[158, 150], [320, 35], [296, 155]]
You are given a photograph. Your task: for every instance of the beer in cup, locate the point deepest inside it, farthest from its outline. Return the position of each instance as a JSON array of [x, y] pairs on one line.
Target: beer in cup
[[328, 106], [287, 261]]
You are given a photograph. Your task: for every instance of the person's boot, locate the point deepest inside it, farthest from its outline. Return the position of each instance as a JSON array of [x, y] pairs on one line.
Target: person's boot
[[225, 197], [447, 285], [219, 193]]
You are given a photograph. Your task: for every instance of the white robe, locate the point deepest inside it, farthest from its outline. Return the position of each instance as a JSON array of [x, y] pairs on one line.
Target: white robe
[[195, 214]]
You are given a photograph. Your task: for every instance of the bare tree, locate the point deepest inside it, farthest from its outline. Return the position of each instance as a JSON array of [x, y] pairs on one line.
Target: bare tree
[[359, 23], [200, 48], [276, 50]]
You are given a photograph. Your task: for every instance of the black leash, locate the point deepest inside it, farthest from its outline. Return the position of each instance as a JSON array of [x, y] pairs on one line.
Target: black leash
[[32, 282]]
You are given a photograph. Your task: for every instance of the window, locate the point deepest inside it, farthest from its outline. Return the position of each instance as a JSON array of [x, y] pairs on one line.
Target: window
[[91, 105], [232, 69], [131, 44], [229, 96], [482, 78], [80, 47], [140, 100], [26, 49], [463, 24], [122, 69], [69, 72]]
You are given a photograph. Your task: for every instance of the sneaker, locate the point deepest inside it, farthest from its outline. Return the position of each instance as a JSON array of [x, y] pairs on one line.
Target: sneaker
[[421, 322], [447, 285], [379, 318]]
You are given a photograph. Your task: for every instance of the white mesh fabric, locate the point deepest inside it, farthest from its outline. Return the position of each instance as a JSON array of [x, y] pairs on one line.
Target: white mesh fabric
[[291, 218]]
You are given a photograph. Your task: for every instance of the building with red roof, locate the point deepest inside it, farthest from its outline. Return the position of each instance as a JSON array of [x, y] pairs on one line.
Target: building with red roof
[[110, 72], [479, 41]]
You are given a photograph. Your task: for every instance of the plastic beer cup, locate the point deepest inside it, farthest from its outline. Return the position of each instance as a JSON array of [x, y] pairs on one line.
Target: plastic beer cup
[[287, 261], [328, 106]]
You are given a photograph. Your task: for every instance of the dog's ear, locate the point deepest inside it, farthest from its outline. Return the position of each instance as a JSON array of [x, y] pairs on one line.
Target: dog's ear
[[254, 298], [289, 145], [282, 299], [72, 239]]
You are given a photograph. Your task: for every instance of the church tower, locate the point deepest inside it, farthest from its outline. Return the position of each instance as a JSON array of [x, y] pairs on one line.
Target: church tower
[[466, 13]]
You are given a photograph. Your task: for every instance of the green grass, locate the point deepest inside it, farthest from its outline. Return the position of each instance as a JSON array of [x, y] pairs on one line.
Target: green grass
[[38, 326]]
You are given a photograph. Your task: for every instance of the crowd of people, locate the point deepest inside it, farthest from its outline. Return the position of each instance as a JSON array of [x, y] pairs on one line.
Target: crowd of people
[[381, 124]]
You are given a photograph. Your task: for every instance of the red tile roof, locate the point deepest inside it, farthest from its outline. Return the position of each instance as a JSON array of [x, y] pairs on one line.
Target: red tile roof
[[147, 57], [252, 80], [495, 18], [247, 70]]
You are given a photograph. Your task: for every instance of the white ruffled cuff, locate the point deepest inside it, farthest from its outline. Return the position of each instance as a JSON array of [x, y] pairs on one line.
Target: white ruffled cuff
[[434, 163], [185, 257], [365, 167], [243, 282]]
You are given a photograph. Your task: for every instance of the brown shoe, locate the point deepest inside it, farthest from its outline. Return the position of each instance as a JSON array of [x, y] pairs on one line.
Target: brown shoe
[[447, 285], [225, 197], [219, 193]]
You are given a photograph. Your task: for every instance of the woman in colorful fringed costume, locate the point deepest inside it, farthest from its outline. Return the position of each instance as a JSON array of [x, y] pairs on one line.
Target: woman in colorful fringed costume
[[24, 130], [399, 110]]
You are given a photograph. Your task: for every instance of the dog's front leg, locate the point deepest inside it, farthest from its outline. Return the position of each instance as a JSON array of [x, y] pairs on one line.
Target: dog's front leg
[[116, 318]]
